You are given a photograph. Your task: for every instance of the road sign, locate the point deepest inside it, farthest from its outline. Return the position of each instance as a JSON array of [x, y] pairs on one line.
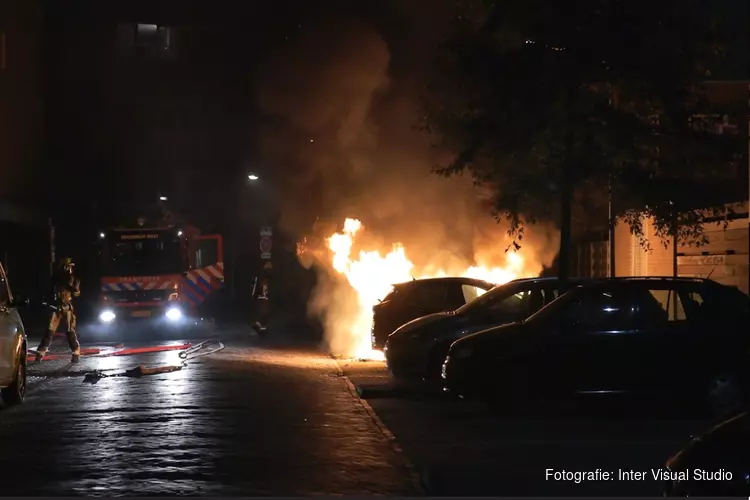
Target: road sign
[[266, 231], [266, 244]]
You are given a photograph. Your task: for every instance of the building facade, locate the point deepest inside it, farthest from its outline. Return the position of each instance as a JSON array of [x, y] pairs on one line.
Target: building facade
[[24, 227], [724, 258], [21, 96]]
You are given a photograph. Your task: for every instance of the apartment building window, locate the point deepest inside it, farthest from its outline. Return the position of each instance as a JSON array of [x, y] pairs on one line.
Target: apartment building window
[[713, 123], [146, 35], [153, 39]]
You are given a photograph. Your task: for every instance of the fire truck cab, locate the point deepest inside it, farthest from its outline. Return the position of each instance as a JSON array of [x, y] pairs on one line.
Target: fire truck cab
[[159, 271]]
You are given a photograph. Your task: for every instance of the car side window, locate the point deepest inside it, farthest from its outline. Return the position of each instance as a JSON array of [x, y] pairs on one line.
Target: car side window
[[536, 300], [515, 304], [471, 292], [603, 309], [429, 296], [709, 303], [550, 294], [669, 302]]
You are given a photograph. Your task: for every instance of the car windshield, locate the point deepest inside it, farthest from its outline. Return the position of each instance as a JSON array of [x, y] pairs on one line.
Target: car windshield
[[502, 298], [140, 254]]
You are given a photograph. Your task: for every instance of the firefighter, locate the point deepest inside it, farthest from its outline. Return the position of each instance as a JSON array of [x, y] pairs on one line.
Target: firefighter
[[66, 286], [262, 306]]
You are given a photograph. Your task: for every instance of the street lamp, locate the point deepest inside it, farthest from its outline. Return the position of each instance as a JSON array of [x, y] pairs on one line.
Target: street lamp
[[253, 177], [162, 198]]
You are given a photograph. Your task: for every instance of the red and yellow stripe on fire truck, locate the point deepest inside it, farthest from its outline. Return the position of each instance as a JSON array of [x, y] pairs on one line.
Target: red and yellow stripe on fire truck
[[199, 283], [194, 286]]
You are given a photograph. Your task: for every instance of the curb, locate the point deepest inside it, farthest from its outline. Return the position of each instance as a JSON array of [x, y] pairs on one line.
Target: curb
[[414, 476]]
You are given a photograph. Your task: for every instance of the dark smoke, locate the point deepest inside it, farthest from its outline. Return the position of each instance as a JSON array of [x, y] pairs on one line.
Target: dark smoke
[[341, 123], [331, 85]]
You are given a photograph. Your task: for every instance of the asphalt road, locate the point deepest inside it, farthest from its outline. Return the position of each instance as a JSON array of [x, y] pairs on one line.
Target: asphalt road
[[461, 449], [256, 419], [248, 420]]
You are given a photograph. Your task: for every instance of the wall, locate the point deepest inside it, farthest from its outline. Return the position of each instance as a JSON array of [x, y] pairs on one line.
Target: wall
[[724, 257], [21, 110]]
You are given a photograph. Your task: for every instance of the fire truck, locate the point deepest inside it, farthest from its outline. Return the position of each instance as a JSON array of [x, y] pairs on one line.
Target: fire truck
[[160, 271]]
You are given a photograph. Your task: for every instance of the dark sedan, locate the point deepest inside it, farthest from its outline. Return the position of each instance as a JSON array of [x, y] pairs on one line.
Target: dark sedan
[[663, 337], [716, 464], [416, 298], [418, 348]]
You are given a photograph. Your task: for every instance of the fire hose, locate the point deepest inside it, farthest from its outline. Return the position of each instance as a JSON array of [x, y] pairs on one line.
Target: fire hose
[[189, 353]]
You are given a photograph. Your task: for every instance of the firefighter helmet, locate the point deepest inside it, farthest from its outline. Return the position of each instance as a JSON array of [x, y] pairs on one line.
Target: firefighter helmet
[[66, 262]]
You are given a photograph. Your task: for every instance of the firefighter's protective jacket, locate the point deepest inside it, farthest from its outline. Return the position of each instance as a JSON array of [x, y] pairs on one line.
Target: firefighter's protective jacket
[[66, 286]]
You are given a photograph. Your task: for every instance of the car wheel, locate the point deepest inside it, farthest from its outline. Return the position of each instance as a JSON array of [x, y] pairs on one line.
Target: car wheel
[[15, 393], [725, 395], [397, 373]]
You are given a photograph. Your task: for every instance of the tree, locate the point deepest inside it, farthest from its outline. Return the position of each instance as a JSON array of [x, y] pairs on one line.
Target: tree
[[549, 103]]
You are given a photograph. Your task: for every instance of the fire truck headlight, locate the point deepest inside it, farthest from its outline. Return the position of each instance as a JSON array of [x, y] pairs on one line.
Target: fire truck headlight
[[107, 316], [174, 313]]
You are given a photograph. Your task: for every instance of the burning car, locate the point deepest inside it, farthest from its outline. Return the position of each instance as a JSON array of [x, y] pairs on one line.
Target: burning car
[[418, 348], [413, 299]]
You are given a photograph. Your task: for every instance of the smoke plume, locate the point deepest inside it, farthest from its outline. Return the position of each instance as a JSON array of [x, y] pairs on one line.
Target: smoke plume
[[341, 121]]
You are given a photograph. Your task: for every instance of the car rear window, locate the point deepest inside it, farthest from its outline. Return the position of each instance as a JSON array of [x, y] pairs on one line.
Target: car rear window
[[731, 300], [394, 291]]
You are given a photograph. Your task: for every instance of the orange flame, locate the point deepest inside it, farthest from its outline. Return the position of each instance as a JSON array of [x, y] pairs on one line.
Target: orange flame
[[372, 274]]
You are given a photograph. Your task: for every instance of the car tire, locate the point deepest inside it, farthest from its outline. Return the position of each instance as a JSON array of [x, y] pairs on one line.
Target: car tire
[[724, 395], [397, 373], [15, 393]]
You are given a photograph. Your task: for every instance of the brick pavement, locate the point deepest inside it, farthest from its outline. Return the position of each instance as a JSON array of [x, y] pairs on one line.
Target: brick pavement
[[245, 421], [460, 448]]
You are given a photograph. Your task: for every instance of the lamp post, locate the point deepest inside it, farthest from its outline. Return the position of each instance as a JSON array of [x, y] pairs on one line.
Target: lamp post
[[253, 181]]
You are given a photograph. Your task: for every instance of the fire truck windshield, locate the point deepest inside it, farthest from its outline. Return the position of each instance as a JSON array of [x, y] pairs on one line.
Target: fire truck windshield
[[139, 254]]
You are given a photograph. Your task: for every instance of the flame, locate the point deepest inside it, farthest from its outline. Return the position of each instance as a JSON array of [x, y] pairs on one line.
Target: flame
[[372, 274]]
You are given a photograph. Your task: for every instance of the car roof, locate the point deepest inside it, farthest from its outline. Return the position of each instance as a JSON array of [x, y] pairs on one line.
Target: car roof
[[545, 279], [656, 279], [449, 279], [552, 279]]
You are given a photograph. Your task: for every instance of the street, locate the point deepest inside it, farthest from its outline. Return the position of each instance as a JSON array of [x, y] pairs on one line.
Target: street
[[244, 421], [255, 419], [461, 449]]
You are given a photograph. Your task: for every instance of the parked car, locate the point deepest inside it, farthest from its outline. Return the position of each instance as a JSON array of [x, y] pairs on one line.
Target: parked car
[[418, 348], [12, 345], [721, 452], [679, 337], [412, 299]]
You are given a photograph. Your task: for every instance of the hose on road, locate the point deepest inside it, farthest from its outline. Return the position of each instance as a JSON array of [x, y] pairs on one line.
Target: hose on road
[[189, 353], [196, 350]]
